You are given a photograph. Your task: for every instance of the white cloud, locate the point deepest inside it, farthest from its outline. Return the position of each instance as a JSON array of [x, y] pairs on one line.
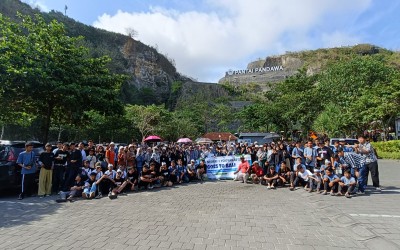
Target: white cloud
[[236, 30], [37, 4]]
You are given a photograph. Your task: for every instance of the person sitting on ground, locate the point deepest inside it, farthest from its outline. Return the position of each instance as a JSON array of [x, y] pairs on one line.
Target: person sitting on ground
[[202, 170], [89, 192], [155, 173], [164, 175], [119, 184], [302, 178], [272, 178], [191, 170], [285, 175], [173, 173], [132, 177], [75, 190], [315, 181], [146, 178], [242, 171], [106, 181], [181, 170], [347, 184], [331, 182], [257, 173]]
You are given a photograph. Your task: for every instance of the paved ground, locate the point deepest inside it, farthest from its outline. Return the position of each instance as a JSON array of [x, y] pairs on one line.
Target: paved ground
[[213, 215]]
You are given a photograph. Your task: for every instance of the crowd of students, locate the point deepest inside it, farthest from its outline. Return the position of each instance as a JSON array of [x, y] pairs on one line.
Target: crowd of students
[[92, 171]]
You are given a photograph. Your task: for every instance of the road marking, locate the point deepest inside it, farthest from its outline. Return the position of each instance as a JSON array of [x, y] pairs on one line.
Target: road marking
[[375, 215], [391, 190]]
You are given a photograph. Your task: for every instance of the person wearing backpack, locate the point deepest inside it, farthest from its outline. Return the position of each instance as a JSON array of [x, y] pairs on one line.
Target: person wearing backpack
[[26, 160]]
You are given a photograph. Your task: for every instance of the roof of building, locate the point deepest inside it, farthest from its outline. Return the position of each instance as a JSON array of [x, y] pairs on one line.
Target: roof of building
[[215, 136], [253, 134]]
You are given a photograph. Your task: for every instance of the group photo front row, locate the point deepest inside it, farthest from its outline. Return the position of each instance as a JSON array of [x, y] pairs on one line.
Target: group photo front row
[[90, 172]]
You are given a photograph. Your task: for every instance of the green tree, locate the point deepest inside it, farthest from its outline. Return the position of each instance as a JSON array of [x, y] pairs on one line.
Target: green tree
[[51, 77]]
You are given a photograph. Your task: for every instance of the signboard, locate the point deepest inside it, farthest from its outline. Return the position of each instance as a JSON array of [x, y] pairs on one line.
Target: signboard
[[223, 167], [255, 70]]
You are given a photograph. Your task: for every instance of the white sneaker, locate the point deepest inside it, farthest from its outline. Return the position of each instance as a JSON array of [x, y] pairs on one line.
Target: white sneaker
[[268, 187], [378, 189]]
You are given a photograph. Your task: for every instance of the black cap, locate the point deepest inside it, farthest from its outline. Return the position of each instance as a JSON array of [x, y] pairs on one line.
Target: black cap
[[93, 173]]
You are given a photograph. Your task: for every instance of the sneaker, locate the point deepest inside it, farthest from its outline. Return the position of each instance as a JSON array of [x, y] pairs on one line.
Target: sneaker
[[324, 193], [291, 188], [378, 189], [150, 187], [347, 195], [268, 187], [20, 197], [333, 194], [272, 187], [47, 195], [99, 196], [85, 196], [41, 196], [92, 195], [360, 192]]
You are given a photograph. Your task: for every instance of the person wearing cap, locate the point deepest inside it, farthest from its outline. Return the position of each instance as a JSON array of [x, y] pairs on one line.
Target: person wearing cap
[[106, 181], [119, 184], [46, 162], [74, 163], [315, 181], [256, 173], [131, 156], [242, 173], [344, 146], [91, 158], [26, 160]]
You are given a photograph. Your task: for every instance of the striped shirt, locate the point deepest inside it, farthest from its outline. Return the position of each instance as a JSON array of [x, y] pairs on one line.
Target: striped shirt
[[353, 159]]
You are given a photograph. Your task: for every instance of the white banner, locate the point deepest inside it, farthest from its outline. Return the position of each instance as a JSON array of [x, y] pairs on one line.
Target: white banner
[[223, 167]]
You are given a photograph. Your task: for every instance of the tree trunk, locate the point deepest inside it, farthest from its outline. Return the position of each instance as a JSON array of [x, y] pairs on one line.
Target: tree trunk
[[46, 123], [2, 132]]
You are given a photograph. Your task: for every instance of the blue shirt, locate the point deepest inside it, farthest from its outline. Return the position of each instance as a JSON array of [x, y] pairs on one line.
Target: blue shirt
[[346, 181], [331, 177], [27, 159], [310, 152]]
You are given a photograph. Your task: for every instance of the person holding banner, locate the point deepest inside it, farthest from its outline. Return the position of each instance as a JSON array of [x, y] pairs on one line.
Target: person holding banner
[[243, 170]]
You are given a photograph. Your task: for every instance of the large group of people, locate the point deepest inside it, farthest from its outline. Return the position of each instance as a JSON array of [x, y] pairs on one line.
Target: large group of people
[[93, 171]]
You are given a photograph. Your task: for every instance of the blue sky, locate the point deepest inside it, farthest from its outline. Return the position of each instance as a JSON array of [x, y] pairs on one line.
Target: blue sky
[[208, 37]]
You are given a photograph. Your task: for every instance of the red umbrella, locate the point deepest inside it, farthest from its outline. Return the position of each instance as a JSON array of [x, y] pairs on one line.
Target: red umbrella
[[152, 138], [184, 140]]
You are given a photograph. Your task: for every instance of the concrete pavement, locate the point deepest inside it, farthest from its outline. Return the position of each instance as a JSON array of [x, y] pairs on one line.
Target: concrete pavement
[[213, 215]]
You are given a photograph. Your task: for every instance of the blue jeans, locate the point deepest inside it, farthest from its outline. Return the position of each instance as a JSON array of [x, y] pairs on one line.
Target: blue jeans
[[362, 180], [93, 188]]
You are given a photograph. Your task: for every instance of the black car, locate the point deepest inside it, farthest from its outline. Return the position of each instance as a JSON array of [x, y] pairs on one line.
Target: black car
[[10, 172]]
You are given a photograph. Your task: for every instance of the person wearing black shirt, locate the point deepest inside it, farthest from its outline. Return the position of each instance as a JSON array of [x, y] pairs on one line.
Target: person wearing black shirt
[[46, 162], [164, 175], [132, 177], [60, 161], [75, 162], [201, 170], [146, 178], [324, 153], [75, 190]]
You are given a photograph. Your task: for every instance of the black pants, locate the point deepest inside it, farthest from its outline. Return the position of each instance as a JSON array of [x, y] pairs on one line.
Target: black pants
[[347, 189], [105, 186], [373, 168], [70, 176], [300, 181], [334, 188], [58, 178], [28, 185]]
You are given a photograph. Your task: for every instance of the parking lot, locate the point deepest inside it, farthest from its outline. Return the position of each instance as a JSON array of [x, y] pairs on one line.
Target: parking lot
[[213, 215]]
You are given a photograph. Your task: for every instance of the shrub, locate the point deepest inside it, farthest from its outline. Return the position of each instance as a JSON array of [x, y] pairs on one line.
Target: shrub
[[388, 149]]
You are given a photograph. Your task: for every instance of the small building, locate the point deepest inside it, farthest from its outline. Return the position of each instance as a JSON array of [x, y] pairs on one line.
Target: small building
[[260, 138]]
